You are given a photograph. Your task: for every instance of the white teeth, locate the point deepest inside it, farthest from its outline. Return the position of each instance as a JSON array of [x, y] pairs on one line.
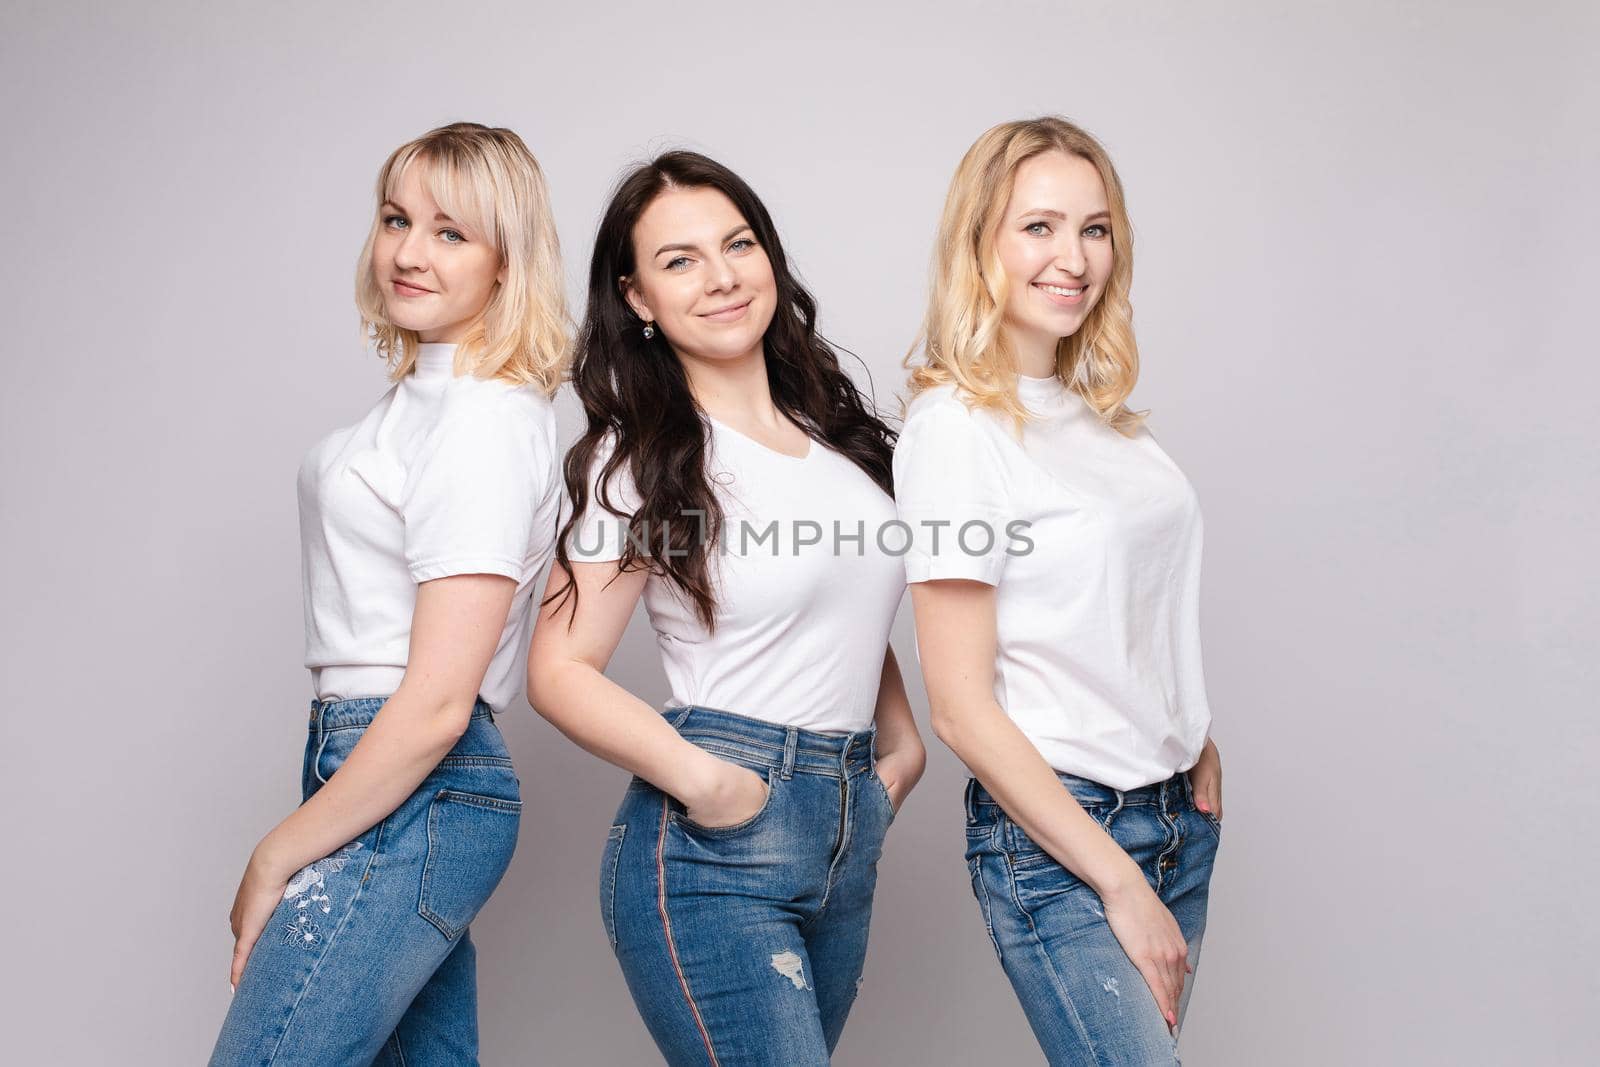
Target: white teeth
[[1061, 291]]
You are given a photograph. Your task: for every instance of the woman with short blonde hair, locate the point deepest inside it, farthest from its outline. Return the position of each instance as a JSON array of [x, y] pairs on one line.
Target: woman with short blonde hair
[[1058, 614], [423, 528]]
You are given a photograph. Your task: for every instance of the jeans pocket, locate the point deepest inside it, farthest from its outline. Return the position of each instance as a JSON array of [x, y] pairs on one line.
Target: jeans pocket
[[883, 791], [608, 881], [980, 890], [470, 842], [681, 817]]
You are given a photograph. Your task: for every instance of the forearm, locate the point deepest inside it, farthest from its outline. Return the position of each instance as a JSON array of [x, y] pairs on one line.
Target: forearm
[[1002, 758], [897, 727], [606, 720], [404, 743]]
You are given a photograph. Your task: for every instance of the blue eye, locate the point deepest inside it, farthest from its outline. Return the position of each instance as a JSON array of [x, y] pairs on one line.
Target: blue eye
[[451, 237], [395, 222], [674, 264], [742, 244], [1035, 228], [1097, 230]]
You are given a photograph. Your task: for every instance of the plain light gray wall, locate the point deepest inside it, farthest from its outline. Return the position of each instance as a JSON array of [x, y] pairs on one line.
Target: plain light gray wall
[[1366, 269]]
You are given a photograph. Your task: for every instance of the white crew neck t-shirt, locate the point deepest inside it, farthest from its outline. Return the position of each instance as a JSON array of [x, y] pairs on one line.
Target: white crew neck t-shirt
[[446, 475], [804, 604], [1098, 623]]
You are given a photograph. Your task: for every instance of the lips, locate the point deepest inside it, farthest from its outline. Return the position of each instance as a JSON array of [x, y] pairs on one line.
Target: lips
[[1062, 295], [727, 314], [407, 289]]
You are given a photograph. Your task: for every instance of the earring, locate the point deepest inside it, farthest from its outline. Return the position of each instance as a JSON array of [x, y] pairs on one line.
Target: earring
[[649, 330]]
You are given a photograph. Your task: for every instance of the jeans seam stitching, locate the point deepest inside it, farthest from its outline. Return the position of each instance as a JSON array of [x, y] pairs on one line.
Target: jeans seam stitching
[[1061, 988], [288, 1021], [666, 928]]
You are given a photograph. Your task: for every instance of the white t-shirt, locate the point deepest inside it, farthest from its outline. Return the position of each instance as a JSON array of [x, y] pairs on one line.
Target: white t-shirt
[[1097, 600], [801, 630], [446, 475]]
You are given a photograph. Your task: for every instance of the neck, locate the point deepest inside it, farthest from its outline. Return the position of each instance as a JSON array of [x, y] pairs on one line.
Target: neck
[[1035, 353], [733, 390]]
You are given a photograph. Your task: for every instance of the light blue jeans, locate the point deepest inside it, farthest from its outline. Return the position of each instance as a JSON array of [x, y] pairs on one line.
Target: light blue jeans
[[368, 959], [1084, 999], [743, 945]]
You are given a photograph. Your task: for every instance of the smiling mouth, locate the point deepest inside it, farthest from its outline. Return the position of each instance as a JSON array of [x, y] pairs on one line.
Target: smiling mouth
[[407, 289], [1061, 290], [727, 312]]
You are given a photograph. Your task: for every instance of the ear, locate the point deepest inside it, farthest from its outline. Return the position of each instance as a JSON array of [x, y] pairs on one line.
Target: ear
[[630, 293]]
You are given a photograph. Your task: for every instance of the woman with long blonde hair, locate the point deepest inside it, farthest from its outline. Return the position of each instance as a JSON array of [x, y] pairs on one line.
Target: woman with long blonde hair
[[1055, 572], [423, 528]]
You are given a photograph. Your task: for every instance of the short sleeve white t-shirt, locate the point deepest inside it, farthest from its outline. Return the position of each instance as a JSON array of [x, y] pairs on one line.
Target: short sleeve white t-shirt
[[1095, 557], [806, 590], [446, 475]]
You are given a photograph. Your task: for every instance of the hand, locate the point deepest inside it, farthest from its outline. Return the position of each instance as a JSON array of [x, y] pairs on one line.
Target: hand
[[1153, 941], [899, 775], [1205, 778], [733, 795], [260, 893]]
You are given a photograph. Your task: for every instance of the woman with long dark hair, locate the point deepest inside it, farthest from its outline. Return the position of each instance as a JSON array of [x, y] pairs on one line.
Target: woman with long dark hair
[[731, 475]]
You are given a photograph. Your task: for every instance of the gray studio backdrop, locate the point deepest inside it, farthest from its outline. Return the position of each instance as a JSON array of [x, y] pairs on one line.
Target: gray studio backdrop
[[1366, 264]]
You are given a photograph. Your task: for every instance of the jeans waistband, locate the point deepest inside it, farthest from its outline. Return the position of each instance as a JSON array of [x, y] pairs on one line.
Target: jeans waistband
[[1165, 795], [359, 711], [785, 749]]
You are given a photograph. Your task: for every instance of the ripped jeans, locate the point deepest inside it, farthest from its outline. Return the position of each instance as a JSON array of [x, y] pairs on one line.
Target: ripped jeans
[[1083, 997], [368, 960], [743, 945]]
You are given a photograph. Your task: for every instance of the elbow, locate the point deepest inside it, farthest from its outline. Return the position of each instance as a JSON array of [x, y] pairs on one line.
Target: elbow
[[542, 686], [453, 719], [944, 724]]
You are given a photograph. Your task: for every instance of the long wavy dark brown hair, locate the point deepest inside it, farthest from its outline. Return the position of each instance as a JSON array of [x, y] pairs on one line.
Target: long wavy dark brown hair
[[635, 391]]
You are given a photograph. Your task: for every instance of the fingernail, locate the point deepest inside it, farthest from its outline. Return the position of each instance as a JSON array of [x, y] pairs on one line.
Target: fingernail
[[230, 989], [1204, 807]]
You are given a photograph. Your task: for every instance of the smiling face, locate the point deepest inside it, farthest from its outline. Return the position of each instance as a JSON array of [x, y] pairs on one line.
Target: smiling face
[[436, 273], [1054, 243], [700, 276]]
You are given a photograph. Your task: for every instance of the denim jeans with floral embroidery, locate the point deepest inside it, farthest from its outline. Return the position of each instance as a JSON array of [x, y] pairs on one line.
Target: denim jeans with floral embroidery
[[368, 960]]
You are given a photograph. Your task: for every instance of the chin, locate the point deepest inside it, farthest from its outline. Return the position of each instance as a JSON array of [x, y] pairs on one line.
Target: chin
[[414, 323]]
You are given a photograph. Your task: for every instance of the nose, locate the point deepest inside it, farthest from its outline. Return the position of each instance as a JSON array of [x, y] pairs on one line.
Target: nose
[[412, 251], [722, 277], [1070, 257]]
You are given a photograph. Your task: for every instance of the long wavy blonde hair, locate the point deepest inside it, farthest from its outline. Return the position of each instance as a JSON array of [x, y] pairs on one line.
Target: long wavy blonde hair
[[963, 339], [487, 179]]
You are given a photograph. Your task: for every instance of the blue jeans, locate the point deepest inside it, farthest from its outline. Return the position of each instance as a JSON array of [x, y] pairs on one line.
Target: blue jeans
[[742, 945], [367, 960], [1085, 1000]]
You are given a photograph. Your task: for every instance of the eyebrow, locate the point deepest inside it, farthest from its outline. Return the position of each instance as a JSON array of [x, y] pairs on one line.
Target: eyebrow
[[691, 247], [1049, 214], [438, 216]]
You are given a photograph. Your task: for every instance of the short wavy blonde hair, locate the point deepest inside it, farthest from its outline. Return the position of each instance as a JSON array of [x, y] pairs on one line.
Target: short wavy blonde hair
[[963, 339], [486, 178]]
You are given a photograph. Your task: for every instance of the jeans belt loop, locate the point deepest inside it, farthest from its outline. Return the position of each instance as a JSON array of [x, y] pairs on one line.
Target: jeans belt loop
[[791, 742], [322, 741]]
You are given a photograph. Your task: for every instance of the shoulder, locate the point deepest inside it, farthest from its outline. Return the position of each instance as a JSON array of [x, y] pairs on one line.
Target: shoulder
[[946, 413], [494, 410], [494, 398]]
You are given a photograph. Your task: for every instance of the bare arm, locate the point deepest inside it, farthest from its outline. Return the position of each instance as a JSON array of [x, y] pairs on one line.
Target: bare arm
[[901, 755], [567, 685], [957, 636], [455, 627]]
